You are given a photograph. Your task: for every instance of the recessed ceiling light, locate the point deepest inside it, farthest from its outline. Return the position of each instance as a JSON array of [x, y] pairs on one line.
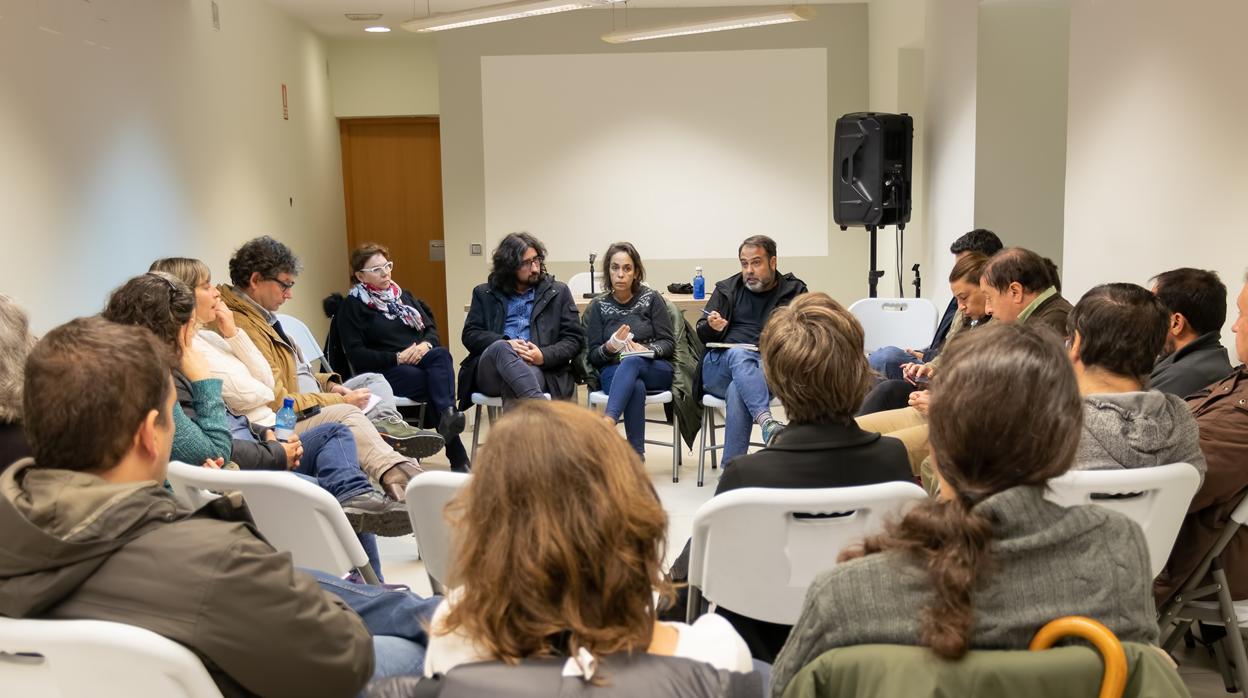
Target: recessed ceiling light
[[377, 30], [363, 16]]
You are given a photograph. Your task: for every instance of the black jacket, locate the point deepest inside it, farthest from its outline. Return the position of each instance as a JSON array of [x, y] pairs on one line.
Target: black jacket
[[1192, 368], [249, 454], [942, 331], [724, 297], [371, 342], [554, 326]]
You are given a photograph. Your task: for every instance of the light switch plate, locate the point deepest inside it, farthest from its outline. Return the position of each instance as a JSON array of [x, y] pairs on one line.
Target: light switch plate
[[475, 249]]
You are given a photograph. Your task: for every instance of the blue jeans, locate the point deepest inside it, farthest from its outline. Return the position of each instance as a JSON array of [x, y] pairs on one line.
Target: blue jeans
[[329, 456], [736, 376], [887, 361], [396, 619], [432, 381], [632, 377]]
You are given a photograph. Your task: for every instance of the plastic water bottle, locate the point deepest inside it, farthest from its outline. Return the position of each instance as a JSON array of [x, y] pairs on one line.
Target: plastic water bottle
[[285, 427], [699, 284]]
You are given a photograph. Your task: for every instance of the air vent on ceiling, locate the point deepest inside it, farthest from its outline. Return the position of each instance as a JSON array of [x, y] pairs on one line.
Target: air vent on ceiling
[[363, 16]]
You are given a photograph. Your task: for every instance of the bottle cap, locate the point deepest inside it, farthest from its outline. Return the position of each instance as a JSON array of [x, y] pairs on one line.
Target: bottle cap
[[288, 402], [697, 268]]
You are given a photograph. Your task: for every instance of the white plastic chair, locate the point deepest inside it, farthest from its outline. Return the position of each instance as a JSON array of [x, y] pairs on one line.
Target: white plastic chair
[[427, 496], [493, 408], [599, 398], [756, 550], [294, 515], [71, 658], [302, 337], [579, 283], [1155, 498], [897, 322], [710, 406]]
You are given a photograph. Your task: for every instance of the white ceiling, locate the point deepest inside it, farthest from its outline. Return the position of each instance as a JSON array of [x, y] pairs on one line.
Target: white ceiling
[[326, 16]]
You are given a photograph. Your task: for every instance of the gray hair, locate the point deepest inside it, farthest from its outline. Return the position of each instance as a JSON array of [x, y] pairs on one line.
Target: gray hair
[[15, 344]]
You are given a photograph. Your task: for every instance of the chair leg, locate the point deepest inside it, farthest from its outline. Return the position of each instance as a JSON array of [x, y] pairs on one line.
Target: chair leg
[[476, 431], [714, 451], [675, 447], [702, 448], [1233, 635], [366, 571]]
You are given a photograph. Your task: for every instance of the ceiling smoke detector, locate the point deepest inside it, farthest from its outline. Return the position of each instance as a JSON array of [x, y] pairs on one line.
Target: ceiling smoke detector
[[363, 16]]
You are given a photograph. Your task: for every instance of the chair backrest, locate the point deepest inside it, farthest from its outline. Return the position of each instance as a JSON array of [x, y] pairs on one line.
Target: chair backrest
[[302, 337], [1155, 498], [294, 515], [70, 658], [427, 496], [897, 322], [756, 550], [579, 283]]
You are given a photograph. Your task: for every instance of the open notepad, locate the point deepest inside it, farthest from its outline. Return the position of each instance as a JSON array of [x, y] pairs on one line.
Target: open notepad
[[731, 345], [647, 354]]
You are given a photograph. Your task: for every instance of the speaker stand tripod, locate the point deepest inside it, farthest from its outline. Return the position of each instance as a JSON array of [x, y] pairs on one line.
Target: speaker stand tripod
[[873, 275]]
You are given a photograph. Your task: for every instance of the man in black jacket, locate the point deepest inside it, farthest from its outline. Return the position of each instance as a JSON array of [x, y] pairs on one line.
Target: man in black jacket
[[1194, 356], [523, 329], [736, 314]]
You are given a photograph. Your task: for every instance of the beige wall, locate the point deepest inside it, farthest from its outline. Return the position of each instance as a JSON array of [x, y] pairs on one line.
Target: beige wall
[[1020, 122], [841, 29], [1155, 142], [387, 75], [150, 135]]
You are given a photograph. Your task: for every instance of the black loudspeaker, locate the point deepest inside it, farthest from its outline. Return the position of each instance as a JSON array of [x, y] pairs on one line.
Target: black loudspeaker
[[871, 169]]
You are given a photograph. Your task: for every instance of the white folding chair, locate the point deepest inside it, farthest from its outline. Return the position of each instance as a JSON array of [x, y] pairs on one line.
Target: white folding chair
[[710, 407], [427, 496], [599, 398], [579, 284], [71, 658], [294, 515], [302, 337], [897, 322], [493, 408], [1212, 604], [1155, 498], [756, 550]]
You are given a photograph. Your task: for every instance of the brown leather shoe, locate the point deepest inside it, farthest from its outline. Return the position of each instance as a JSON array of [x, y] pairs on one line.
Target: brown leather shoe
[[394, 481]]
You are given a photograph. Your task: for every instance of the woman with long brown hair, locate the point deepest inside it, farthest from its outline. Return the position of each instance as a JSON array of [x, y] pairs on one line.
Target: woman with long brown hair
[[992, 561], [560, 541]]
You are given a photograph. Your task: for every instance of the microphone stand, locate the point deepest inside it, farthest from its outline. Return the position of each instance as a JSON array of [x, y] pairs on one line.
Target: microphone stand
[[591, 293], [917, 281]]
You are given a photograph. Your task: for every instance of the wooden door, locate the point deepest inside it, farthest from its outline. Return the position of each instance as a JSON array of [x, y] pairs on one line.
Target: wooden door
[[392, 174]]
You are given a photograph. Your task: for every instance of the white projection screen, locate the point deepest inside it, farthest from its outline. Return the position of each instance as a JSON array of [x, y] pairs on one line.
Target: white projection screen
[[684, 154]]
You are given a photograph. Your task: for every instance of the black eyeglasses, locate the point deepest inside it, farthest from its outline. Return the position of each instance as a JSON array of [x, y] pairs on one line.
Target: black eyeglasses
[[285, 286]]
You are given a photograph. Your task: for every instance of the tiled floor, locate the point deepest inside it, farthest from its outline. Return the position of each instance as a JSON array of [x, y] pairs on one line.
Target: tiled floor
[[401, 564]]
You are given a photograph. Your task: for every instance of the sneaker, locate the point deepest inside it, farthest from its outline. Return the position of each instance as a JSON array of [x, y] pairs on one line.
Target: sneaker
[[407, 439], [373, 512], [771, 429]]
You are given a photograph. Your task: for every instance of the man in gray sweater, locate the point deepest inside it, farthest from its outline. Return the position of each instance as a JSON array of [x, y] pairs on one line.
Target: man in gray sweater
[[1115, 332]]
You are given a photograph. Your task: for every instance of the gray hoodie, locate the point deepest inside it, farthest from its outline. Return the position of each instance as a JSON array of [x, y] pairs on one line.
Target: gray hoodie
[[1137, 430]]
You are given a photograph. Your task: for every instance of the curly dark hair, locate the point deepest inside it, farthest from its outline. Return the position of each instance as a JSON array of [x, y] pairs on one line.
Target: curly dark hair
[[158, 301], [979, 240], [508, 256], [262, 255]]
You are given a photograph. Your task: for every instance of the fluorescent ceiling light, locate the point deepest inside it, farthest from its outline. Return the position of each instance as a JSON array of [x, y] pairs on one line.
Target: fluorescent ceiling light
[[497, 13], [754, 19], [377, 30]]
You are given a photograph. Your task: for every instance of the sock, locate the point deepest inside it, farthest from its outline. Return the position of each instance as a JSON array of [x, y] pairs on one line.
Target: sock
[[763, 417]]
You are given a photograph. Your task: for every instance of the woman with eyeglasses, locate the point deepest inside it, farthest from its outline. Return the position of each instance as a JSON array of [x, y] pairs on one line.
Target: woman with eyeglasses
[[385, 329]]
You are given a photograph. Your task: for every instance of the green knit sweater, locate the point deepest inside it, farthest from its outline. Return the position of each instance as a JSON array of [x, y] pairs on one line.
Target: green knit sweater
[[206, 436]]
